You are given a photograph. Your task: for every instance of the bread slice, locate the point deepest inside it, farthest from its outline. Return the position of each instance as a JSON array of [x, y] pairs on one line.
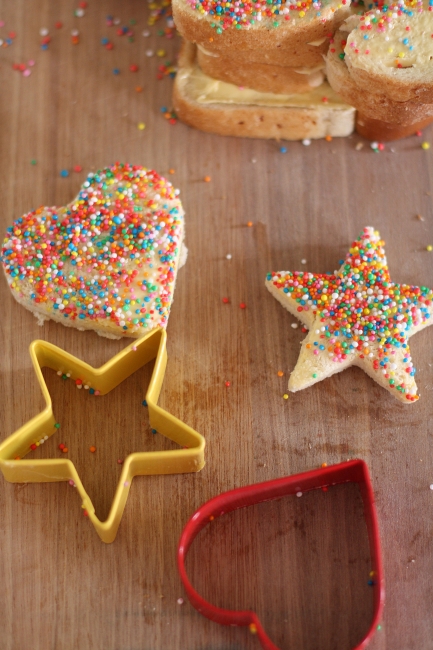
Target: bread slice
[[262, 77], [261, 28], [374, 104], [107, 261], [390, 51], [222, 108], [356, 317]]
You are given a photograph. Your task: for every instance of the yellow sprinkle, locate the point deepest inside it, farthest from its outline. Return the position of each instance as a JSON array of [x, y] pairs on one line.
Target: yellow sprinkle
[[429, 248], [285, 396], [425, 145], [160, 53], [401, 55], [141, 126], [253, 628]]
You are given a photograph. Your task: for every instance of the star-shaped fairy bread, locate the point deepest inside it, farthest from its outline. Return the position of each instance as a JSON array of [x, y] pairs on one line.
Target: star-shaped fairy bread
[[356, 317]]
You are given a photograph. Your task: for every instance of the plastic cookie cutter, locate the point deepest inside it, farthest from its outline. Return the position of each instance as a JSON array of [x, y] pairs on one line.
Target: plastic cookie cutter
[[354, 471], [190, 458]]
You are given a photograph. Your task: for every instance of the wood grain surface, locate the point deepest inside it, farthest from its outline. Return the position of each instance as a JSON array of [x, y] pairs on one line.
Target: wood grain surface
[[301, 563]]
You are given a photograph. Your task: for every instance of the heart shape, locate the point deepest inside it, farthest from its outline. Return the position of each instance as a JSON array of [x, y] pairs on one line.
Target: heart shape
[[107, 261], [354, 471]]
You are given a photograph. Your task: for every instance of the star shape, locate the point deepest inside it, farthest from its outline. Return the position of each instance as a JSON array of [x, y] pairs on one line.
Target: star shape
[[356, 317], [190, 458]]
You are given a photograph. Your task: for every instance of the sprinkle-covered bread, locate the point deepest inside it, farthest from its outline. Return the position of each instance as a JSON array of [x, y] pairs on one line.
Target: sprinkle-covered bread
[[389, 50], [374, 104], [107, 261], [356, 317], [263, 26]]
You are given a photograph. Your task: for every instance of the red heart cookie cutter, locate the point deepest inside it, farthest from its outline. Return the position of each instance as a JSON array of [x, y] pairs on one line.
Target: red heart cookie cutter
[[353, 471]]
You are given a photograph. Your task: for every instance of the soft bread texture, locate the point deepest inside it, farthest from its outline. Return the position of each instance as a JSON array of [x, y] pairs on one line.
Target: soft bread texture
[[375, 336], [262, 77], [390, 51], [283, 33], [217, 107], [372, 104], [107, 261]]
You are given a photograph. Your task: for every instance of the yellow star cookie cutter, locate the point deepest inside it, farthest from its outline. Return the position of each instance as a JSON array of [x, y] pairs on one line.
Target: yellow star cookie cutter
[[143, 350]]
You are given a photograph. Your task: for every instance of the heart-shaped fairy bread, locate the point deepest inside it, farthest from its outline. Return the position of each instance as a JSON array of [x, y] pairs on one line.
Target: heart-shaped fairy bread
[[107, 261]]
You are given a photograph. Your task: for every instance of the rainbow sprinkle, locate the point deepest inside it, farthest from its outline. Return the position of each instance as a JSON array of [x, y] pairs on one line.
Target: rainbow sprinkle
[[242, 14]]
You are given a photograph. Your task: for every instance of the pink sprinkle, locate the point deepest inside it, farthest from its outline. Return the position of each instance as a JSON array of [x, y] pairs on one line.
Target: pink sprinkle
[[2, 23], [27, 73], [30, 63]]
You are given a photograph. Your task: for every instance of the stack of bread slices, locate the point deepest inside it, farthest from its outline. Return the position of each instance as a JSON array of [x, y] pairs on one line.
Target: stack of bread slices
[[256, 68], [298, 69]]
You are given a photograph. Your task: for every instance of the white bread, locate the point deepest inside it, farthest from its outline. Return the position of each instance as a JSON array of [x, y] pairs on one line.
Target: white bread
[[376, 105], [379, 116], [356, 316], [291, 27], [262, 77], [107, 261], [217, 107], [391, 51]]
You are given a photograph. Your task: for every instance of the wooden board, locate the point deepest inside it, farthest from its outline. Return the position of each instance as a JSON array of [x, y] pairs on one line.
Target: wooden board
[[302, 563]]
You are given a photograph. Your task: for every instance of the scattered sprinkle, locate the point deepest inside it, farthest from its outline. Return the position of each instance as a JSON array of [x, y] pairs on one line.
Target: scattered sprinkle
[[92, 449], [64, 173], [425, 145], [207, 179]]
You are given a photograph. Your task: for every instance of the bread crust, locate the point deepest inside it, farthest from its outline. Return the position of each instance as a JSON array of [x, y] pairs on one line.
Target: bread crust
[[261, 38], [262, 77], [372, 129], [253, 121], [372, 104], [399, 85]]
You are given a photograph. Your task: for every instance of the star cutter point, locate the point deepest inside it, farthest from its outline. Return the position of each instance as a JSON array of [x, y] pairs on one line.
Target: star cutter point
[[356, 316], [190, 458]]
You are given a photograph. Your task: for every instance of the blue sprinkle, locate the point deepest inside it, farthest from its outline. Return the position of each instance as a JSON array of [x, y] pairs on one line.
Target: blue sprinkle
[[64, 173], [283, 149]]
